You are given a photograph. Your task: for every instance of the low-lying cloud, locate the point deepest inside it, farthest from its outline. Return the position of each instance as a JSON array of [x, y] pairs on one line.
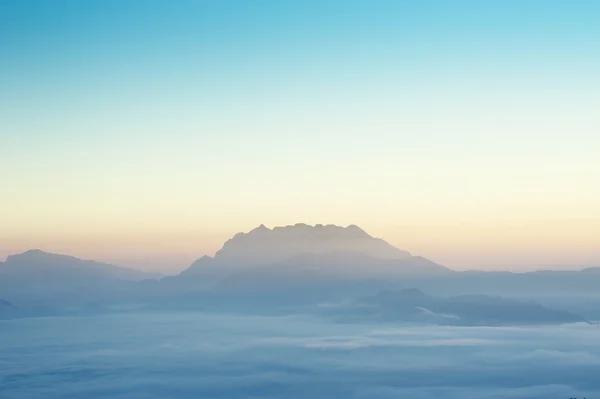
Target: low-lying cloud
[[218, 356]]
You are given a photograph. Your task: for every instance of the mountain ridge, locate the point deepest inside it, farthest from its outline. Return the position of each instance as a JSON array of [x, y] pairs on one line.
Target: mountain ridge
[[6, 305], [34, 261], [262, 245], [414, 305]]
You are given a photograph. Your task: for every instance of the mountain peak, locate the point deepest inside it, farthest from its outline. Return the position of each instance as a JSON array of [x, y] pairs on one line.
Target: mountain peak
[[34, 252], [37, 255], [354, 227], [263, 246], [260, 229]]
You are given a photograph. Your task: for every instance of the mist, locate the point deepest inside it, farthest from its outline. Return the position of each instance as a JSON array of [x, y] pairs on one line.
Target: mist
[[188, 355]]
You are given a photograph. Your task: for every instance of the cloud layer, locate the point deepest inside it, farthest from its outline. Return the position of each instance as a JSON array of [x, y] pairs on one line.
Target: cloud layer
[[220, 356]]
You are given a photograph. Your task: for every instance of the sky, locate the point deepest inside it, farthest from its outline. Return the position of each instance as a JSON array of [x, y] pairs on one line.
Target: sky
[[149, 132]]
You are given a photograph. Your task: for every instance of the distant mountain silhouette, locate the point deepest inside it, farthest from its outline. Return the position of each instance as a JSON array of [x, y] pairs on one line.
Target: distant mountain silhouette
[[269, 259], [414, 306], [591, 270], [263, 246], [5, 305], [39, 277], [538, 284], [36, 263], [8, 310], [300, 265]]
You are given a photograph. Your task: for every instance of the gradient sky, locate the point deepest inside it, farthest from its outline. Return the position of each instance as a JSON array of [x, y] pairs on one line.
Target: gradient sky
[[464, 131]]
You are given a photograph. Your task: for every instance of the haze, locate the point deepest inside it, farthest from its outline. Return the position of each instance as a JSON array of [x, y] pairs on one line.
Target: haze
[[147, 134]]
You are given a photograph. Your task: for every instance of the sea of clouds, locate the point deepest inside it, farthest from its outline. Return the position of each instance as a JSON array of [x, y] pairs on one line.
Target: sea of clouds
[[191, 355]]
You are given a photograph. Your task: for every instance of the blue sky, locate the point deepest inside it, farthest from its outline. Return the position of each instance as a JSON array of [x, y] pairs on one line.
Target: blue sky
[[466, 131]]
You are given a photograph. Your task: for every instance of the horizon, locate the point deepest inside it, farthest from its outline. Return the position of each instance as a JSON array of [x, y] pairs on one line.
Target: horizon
[[152, 132], [168, 267]]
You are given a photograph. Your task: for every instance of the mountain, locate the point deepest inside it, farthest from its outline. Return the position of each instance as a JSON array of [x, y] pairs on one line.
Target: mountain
[[263, 246], [591, 270], [5, 305], [412, 305], [290, 256], [36, 263], [39, 277], [546, 283], [298, 265], [337, 268], [7, 310]]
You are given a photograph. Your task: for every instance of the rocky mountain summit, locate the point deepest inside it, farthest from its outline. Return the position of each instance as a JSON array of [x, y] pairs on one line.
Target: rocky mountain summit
[[265, 246]]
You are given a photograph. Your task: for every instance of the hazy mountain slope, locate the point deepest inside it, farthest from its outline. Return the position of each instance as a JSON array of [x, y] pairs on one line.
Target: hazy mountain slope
[[38, 278], [538, 284], [8, 310], [5, 305], [40, 264], [330, 268], [412, 305]]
